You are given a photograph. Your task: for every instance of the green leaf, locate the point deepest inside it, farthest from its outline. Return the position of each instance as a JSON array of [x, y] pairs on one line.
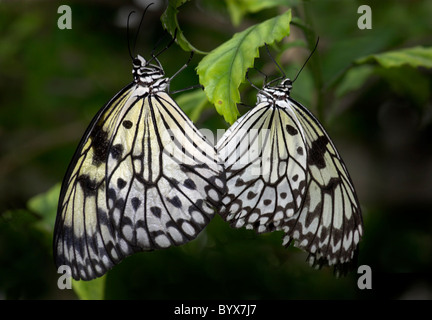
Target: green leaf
[[90, 290], [354, 79], [414, 57], [238, 8], [192, 103], [45, 204], [170, 23], [222, 71]]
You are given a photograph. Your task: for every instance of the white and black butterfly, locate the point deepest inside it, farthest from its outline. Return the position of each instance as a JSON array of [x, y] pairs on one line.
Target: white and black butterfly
[[283, 172], [143, 178]]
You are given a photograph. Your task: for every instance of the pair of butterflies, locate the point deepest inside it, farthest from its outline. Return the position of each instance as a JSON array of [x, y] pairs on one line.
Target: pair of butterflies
[[144, 178]]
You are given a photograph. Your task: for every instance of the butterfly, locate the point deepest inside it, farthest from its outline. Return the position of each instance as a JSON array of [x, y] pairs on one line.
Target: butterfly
[[142, 178], [283, 172]]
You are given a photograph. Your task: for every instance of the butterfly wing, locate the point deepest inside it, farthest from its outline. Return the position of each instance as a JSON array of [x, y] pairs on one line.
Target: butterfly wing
[[142, 178], [329, 225], [265, 164], [83, 237], [292, 180]]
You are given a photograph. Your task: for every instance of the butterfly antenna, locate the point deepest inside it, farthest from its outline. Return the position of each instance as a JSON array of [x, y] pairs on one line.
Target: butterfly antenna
[[304, 64], [263, 74], [158, 43], [139, 27], [154, 56], [274, 61], [127, 32], [247, 78]]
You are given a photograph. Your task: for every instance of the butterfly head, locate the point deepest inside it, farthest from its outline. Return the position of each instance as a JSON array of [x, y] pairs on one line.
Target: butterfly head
[[286, 84], [147, 74], [278, 92]]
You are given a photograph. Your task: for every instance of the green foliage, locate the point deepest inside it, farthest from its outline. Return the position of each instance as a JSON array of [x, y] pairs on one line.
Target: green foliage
[[223, 70], [193, 103], [90, 290], [45, 205], [354, 79], [403, 80], [414, 57], [170, 23], [26, 266], [239, 8]]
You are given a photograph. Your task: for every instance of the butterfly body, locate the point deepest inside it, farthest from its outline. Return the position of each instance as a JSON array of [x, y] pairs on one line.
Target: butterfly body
[[143, 178]]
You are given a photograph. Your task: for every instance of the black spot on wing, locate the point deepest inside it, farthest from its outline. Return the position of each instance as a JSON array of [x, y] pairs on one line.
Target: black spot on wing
[[239, 182], [121, 183], [331, 185], [100, 145], [112, 194], [119, 203], [127, 124], [267, 202], [317, 152], [300, 151], [190, 184], [116, 151], [175, 201], [251, 195], [88, 185], [135, 203], [291, 130], [156, 211]]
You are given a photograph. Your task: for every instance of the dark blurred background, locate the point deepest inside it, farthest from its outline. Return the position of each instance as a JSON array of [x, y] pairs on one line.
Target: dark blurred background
[[53, 81]]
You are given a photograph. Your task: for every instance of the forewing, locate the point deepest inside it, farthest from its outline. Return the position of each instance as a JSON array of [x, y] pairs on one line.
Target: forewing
[[83, 237]]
